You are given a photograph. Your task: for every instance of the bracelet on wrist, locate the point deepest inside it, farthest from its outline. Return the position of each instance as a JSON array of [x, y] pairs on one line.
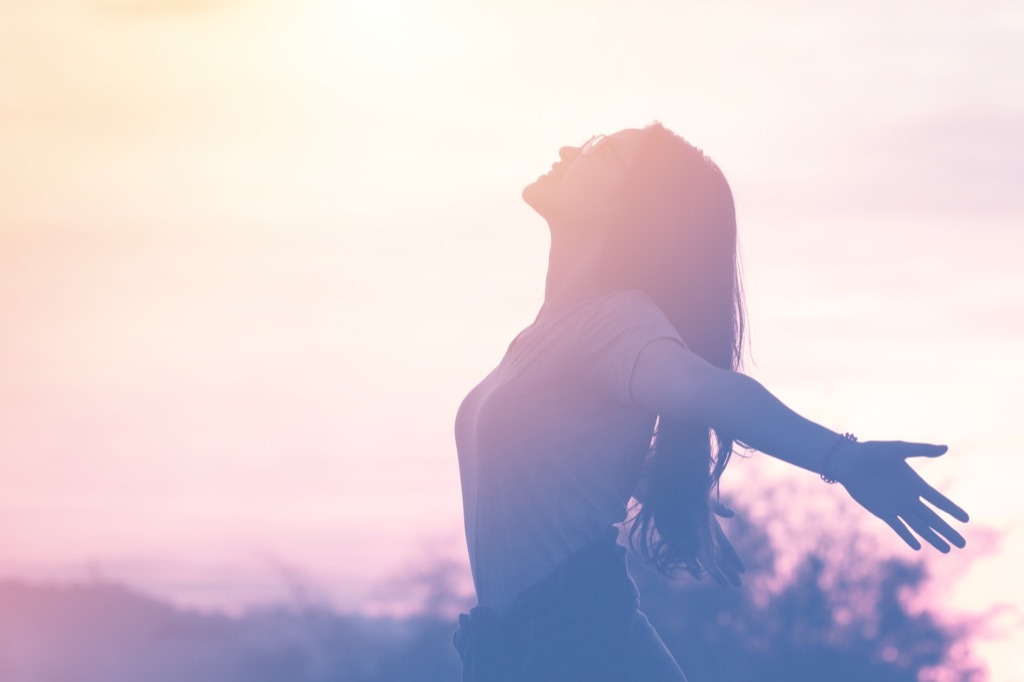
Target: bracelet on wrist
[[825, 476]]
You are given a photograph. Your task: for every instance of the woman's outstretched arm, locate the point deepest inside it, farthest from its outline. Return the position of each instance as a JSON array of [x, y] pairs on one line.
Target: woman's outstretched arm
[[671, 381]]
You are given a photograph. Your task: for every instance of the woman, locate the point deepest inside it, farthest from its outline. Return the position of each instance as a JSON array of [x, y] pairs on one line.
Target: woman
[[625, 387]]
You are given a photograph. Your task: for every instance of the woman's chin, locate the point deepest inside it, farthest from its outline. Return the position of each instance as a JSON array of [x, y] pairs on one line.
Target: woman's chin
[[537, 194]]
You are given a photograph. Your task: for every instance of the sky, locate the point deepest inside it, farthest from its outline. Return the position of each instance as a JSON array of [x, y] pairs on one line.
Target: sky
[[253, 254]]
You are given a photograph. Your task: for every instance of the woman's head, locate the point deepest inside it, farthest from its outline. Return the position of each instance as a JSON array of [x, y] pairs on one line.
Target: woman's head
[[666, 217], [579, 191]]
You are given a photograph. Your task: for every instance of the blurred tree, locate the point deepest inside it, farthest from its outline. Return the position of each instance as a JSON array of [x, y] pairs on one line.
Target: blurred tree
[[835, 613], [841, 614]]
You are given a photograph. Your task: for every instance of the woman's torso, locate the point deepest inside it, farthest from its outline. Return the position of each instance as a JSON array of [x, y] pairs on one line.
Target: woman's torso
[[550, 445]]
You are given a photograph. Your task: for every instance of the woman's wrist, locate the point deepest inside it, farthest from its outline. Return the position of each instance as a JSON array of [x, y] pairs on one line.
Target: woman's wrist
[[837, 459]]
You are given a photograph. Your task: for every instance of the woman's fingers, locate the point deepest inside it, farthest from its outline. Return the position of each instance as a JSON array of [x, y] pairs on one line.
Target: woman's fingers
[[902, 531], [731, 573], [924, 450], [926, 533], [944, 503], [728, 565], [726, 576], [731, 556], [729, 553], [721, 510], [927, 515]]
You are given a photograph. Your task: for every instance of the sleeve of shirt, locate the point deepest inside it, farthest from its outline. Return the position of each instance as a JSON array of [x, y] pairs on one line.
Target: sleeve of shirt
[[611, 338]]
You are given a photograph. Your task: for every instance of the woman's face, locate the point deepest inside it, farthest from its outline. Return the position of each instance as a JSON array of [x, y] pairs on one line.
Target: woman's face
[[579, 189]]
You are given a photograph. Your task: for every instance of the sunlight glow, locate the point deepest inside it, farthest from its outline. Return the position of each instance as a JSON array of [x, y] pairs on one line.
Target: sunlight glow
[[388, 32]]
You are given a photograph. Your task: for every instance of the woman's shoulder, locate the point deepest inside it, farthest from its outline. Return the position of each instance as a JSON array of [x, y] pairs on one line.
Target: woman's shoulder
[[618, 327], [623, 311], [625, 304]]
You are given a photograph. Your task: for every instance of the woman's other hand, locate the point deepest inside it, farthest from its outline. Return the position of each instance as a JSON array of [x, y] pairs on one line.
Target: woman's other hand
[[878, 477], [727, 569]]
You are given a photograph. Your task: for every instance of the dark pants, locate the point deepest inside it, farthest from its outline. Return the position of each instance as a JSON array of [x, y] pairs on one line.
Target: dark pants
[[580, 623]]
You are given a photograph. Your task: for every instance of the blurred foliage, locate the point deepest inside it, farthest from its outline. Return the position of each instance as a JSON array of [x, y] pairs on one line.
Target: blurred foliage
[[106, 633], [836, 613]]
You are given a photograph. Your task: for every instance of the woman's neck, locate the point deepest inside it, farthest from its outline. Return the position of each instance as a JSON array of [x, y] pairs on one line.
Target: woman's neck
[[573, 273]]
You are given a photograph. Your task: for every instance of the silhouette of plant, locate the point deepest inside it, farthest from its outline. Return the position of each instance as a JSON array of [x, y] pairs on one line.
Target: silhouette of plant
[[839, 616]]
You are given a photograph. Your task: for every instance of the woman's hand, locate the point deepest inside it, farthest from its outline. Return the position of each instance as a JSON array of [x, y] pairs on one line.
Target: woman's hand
[[727, 569], [878, 477]]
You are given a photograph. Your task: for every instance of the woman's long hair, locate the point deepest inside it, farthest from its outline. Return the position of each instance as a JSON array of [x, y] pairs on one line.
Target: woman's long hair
[[674, 237]]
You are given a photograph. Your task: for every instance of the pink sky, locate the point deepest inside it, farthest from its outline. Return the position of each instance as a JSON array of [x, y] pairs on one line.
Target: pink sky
[[252, 255]]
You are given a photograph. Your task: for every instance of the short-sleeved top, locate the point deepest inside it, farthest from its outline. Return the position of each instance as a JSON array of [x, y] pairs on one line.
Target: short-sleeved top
[[551, 446]]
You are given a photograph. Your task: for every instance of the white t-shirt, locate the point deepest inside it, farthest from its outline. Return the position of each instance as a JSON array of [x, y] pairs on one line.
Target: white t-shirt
[[550, 445]]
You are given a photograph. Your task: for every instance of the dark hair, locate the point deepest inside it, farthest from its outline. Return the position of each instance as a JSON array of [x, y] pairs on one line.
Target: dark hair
[[674, 238]]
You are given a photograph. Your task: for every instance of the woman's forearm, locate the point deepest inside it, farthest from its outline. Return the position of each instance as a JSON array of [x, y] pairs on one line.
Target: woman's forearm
[[740, 407], [675, 383]]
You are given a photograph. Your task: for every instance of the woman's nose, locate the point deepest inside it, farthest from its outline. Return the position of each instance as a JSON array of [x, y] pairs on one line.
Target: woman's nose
[[568, 153]]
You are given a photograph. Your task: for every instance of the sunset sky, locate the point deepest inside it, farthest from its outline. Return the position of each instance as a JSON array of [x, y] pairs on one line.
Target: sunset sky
[[254, 253]]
